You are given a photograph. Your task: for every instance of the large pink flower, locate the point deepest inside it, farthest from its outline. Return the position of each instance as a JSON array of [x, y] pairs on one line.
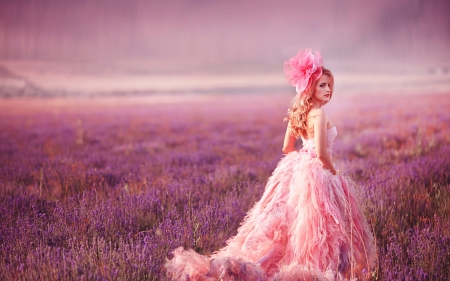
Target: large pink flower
[[303, 70]]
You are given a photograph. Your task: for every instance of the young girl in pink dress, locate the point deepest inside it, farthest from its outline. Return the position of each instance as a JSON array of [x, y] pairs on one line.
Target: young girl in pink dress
[[308, 224]]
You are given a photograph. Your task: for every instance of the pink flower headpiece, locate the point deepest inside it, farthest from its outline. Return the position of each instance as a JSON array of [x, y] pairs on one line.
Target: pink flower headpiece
[[303, 70]]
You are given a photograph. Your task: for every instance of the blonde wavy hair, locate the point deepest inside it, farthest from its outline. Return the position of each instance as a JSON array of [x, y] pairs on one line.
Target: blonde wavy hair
[[301, 105]]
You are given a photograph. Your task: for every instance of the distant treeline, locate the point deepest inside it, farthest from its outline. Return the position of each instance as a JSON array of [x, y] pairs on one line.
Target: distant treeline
[[220, 30]]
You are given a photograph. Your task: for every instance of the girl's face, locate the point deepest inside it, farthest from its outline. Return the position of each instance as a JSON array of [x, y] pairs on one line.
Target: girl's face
[[322, 91]]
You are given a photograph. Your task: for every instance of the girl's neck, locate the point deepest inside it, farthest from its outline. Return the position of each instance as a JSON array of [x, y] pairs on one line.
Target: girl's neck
[[315, 105]]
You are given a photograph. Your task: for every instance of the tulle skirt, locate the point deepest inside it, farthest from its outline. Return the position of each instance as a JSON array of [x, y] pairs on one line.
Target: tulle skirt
[[308, 225]]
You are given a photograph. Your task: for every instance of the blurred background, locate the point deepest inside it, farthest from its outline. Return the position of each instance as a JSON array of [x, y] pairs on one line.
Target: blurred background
[[130, 47]]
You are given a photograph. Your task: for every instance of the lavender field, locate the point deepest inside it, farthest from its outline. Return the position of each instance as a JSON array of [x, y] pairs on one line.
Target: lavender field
[[106, 188]]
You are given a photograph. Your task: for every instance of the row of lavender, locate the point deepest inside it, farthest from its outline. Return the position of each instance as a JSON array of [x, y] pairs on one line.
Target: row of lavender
[[106, 195]]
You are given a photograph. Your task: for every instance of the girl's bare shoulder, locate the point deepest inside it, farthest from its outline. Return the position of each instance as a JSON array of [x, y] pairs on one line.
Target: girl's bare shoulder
[[316, 112]]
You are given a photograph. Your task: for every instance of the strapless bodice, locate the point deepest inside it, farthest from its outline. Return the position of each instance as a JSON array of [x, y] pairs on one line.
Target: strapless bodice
[[310, 145]]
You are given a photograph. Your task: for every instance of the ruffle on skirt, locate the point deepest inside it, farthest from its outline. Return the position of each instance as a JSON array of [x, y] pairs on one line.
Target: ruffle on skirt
[[308, 225]]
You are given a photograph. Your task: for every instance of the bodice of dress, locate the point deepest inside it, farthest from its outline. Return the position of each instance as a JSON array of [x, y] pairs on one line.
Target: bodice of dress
[[310, 145]]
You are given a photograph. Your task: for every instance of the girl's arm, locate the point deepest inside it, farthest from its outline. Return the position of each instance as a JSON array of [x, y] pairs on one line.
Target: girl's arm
[[289, 141], [320, 137]]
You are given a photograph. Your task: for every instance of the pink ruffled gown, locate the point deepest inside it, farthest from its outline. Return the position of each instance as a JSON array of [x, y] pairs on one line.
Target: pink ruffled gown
[[308, 225]]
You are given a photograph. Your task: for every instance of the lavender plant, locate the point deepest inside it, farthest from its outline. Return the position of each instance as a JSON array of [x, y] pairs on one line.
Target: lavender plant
[[108, 194]]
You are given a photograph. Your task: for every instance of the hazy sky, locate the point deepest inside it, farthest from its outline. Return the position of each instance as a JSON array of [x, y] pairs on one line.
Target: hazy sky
[[223, 31]]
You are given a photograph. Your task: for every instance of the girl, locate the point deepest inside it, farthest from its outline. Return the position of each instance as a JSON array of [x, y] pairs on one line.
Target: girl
[[308, 224]]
